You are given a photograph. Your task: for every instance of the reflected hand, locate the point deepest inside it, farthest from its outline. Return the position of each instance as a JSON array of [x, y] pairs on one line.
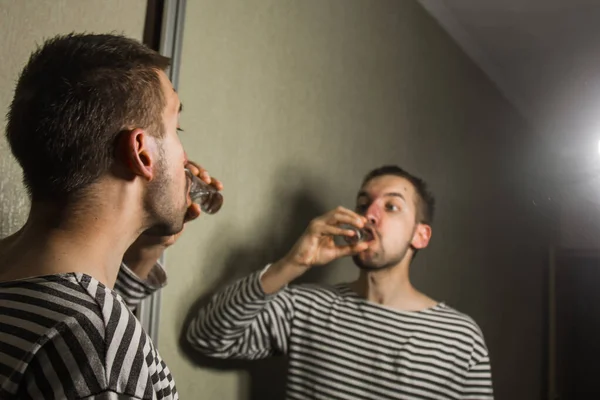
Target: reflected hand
[[316, 246]]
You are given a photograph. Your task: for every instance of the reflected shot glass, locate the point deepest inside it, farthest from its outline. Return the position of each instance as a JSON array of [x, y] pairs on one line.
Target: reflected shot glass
[[360, 235]]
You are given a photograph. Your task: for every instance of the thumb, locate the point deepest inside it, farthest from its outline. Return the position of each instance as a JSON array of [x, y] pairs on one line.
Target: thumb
[[357, 248], [351, 250], [192, 212]]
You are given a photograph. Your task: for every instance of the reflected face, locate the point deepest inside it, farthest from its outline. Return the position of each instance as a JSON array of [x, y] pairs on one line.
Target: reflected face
[[389, 203], [167, 194]]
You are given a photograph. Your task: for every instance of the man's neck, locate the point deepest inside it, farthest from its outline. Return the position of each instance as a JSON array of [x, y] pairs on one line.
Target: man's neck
[[391, 287], [90, 238]]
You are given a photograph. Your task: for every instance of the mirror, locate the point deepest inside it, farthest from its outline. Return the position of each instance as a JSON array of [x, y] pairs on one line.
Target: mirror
[[492, 103]]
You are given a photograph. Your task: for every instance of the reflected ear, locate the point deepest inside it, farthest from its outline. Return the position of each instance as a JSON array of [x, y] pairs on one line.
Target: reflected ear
[[138, 152], [421, 236]]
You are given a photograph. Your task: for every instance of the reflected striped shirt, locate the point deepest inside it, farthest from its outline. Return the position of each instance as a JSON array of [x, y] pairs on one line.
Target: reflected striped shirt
[[67, 336], [341, 346]]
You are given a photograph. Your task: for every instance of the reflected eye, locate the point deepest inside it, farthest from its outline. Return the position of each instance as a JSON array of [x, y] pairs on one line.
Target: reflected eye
[[392, 207]]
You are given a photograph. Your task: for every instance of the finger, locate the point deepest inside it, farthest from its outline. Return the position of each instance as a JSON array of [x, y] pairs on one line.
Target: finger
[[205, 176], [344, 251], [346, 211], [199, 171], [334, 219], [216, 183], [335, 230], [192, 212], [172, 239], [355, 215], [359, 247], [193, 167], [321, 228], [342, 217]]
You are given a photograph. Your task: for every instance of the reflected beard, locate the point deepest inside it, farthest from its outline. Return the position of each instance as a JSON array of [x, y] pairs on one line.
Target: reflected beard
[[374, 265]]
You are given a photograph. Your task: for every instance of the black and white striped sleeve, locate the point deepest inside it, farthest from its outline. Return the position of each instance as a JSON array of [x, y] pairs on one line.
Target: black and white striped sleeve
[[133, 289], [110, 395], [478, 380], [244, 322]]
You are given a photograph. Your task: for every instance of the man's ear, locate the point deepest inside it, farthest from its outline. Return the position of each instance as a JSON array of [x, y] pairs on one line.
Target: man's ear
[[138, 152], [421, 236]]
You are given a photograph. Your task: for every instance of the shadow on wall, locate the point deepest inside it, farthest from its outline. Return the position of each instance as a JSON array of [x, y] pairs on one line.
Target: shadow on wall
[[267, 377]]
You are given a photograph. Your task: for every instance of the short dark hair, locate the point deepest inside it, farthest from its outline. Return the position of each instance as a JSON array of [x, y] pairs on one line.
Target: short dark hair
[[425, 202], [76, 94]]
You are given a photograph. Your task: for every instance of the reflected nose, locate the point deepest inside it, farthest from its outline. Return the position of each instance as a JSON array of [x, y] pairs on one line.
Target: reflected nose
[[372, 214]]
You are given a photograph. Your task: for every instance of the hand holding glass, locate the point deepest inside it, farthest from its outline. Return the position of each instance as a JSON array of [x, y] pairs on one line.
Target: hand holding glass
[[206, 196], [360, 235]]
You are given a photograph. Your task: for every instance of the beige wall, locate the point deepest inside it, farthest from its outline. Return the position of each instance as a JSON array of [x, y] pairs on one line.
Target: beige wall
[[23, 25], [290, 103]]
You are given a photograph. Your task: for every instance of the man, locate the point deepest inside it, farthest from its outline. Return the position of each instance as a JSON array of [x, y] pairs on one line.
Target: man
[[375, 338], [93, 124]]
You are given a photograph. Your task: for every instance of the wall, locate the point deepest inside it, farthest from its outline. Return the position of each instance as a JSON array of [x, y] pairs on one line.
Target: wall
[[24, 24], [580, 211], [290, 103], [578, 177]]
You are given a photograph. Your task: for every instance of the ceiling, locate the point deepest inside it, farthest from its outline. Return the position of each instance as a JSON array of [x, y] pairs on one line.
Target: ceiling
[[543, 55]]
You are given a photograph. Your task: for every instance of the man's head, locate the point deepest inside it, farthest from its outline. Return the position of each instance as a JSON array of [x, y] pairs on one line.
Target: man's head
[[399, 208], [91, 106]]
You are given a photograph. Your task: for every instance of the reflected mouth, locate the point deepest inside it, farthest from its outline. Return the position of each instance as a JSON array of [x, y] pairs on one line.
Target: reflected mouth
[[370, 234]]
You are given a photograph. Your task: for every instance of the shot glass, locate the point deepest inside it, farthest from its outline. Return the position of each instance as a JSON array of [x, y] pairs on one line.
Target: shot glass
[[360, 235], [205, 195]]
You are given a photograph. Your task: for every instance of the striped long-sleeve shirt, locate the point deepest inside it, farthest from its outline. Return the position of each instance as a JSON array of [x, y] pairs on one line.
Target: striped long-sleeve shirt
[[67, 336], [341, 346]]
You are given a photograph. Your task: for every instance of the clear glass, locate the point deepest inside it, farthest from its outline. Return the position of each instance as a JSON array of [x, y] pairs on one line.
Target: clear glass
[[360, 235], [206, 196]]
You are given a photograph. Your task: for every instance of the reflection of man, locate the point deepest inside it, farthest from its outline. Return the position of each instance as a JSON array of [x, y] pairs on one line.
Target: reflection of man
[[93, 124], [375, 338]]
